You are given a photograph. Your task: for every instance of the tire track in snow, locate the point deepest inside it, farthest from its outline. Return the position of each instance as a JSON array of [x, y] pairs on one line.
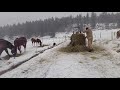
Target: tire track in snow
[[46, 73]]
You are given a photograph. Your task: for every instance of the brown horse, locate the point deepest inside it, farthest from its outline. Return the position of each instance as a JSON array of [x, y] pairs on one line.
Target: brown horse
[[4, 44], [118, 34], [18, 42], [37, 41], [33, 41]]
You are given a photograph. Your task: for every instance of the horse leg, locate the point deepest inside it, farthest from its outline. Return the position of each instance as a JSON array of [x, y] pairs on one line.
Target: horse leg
[[19, 48], [24, 47], [34, 43], [40, 43], [0, 53], [7, 52]]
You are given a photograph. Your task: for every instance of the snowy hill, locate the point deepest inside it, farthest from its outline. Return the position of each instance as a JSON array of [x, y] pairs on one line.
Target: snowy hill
[[55, 64]]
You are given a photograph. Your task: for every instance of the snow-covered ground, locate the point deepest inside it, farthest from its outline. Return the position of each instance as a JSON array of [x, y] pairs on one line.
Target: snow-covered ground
[[30, 51], [55, 64]]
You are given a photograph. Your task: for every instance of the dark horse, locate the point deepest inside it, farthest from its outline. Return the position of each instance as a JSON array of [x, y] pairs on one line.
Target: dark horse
[[33, 41], [4, 44], [37, 41], [118, 34], [18, 42]]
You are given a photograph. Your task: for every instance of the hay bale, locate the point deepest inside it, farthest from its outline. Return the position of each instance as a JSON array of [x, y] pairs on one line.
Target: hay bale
[[78, 39], [77, 44]]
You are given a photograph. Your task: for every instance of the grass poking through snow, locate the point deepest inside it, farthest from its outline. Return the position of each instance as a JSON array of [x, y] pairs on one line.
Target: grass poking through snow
[[93, 57]]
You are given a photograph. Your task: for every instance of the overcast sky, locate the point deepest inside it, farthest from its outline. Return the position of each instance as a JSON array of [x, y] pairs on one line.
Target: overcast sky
[[15, 17]]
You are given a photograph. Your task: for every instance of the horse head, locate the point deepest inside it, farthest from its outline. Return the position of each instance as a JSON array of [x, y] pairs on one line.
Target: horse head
[[13, 49]]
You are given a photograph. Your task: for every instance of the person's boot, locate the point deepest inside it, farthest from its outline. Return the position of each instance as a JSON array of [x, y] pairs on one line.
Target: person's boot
[[90, 50]]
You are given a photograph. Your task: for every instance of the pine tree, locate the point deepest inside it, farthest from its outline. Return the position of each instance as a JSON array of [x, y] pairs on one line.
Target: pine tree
[[93, 19]]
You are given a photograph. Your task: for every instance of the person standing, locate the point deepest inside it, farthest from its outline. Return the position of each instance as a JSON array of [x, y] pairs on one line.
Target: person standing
[[89, 36]]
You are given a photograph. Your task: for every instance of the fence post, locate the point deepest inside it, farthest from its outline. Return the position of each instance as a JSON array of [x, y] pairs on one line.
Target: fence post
[[111, 35], [114, 34], [100, 34], [59, 39]]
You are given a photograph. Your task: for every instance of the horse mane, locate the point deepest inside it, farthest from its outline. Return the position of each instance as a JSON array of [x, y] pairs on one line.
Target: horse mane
[[10, 45]]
